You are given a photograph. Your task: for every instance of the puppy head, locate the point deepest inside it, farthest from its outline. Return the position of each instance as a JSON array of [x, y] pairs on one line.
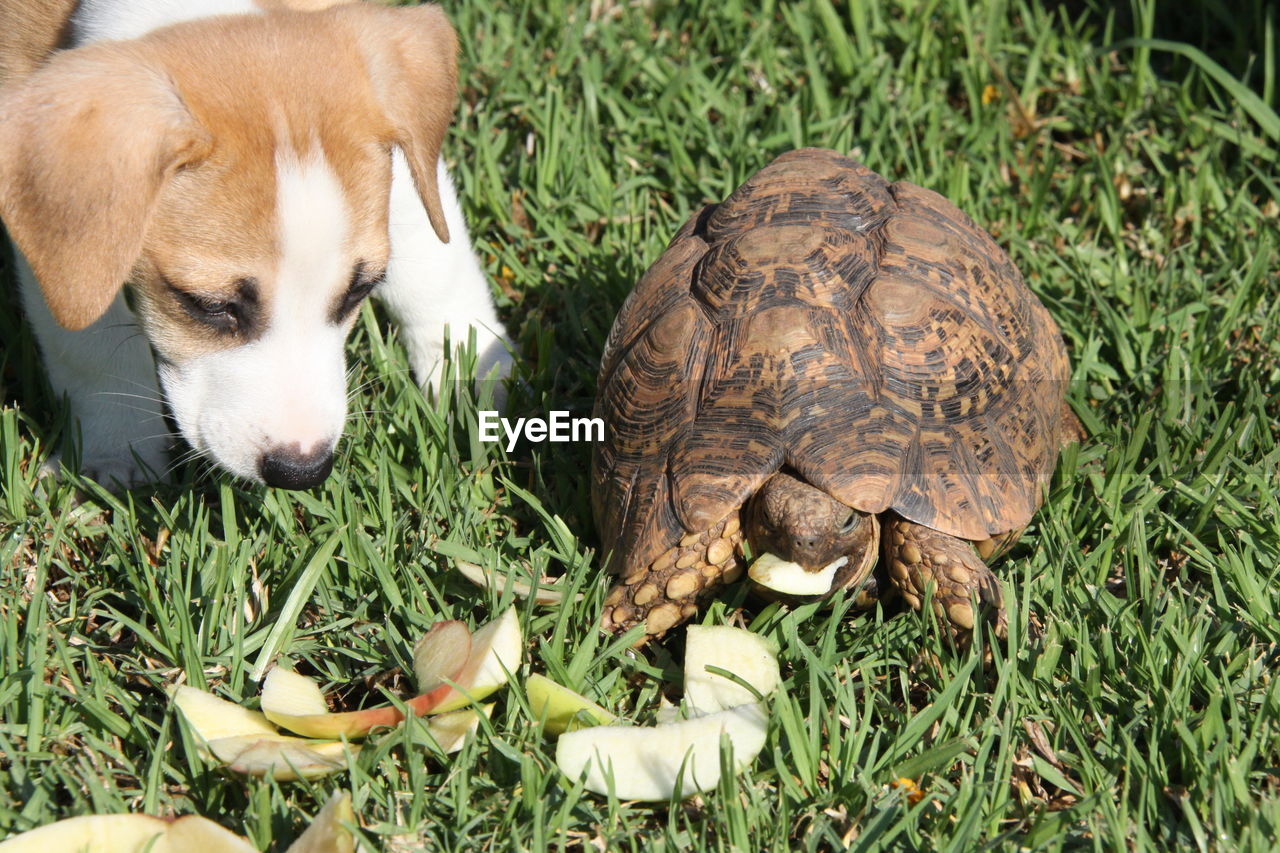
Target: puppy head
[[237, 172]]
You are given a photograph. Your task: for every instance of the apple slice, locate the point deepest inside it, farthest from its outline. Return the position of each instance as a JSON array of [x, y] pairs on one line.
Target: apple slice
[[247, 743], [779, 575], [327, 832], [668, 712], [296, 703], [447, 660], [449, 731], [650, 762], [281, 757], [561, 709], [192, 832], [128, 833], [136, 833], [212, 718], [496, 651], [749, 656], [544, 593]]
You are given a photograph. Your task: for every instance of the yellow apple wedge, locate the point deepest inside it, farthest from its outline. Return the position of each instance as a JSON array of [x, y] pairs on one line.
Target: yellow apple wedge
[[788, 578], [135, 833], [496, 652], [651, 762], [192, 832], [449, 731], [560, 709], [128, 833], [294, 702], [328, 833], [287, 702], [212, 718], [281, 757], [668, 712], [748, 655], [246, 742]]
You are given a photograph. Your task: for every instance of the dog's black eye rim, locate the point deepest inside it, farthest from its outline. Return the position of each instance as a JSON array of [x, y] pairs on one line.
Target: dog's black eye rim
[[215, 307], [221, 313], [362, 284]]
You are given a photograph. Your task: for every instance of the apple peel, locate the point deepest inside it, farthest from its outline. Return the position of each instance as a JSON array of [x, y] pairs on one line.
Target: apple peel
[[453, 667], [496, 650], [295, 702], [653, 762], [561, 709]]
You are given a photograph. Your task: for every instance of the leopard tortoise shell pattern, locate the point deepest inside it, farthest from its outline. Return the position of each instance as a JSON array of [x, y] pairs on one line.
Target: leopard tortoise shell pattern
[[868, 334]]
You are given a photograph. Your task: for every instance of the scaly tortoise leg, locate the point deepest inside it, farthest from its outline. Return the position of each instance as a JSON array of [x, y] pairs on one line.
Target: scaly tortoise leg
[[667, 592], [919, 558]]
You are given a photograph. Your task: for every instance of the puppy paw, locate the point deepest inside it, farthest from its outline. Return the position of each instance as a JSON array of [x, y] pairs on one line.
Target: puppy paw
[[495, 366], [490, 370]]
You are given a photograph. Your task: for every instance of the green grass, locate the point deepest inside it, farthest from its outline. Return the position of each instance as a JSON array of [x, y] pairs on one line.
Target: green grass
[[1134, 705]]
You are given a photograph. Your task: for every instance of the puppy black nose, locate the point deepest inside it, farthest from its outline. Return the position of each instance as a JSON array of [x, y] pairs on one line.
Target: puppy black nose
[[290, 468]]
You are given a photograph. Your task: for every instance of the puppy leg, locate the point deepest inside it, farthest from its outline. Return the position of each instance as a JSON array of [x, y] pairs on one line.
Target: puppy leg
[[108, 375], [433, 285]]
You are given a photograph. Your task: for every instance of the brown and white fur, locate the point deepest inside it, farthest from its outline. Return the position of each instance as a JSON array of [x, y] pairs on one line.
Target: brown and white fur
[[251, 170]]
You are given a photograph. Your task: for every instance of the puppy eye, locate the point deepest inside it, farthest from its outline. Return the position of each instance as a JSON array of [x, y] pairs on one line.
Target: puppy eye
[[215, 307], [225, 315], [221, 314], [362, 284], [361, 289]]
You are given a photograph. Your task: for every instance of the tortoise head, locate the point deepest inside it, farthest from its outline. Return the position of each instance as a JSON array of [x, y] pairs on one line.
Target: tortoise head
[[803, 524]]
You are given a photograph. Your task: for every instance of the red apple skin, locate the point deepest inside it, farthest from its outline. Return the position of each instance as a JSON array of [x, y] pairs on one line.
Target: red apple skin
[[425, 702], [360, 723]]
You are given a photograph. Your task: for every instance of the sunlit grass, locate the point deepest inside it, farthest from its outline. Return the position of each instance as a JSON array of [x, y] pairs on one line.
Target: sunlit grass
[[1133, 705]]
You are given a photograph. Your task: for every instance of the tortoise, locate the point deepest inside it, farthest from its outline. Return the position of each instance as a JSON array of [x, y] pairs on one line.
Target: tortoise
[[826, 366]]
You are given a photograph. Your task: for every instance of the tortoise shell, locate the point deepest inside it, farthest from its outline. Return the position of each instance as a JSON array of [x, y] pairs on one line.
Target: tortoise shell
[[867, 334]]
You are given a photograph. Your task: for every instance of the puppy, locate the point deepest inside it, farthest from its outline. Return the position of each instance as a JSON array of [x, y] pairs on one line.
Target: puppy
[[252, 170]]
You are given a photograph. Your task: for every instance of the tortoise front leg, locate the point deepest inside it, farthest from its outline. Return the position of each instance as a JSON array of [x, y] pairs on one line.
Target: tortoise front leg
[[667, 592], [919, 558]]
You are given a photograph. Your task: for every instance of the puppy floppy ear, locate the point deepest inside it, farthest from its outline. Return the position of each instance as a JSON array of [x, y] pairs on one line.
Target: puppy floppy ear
[[411, 54], [87, 143]]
